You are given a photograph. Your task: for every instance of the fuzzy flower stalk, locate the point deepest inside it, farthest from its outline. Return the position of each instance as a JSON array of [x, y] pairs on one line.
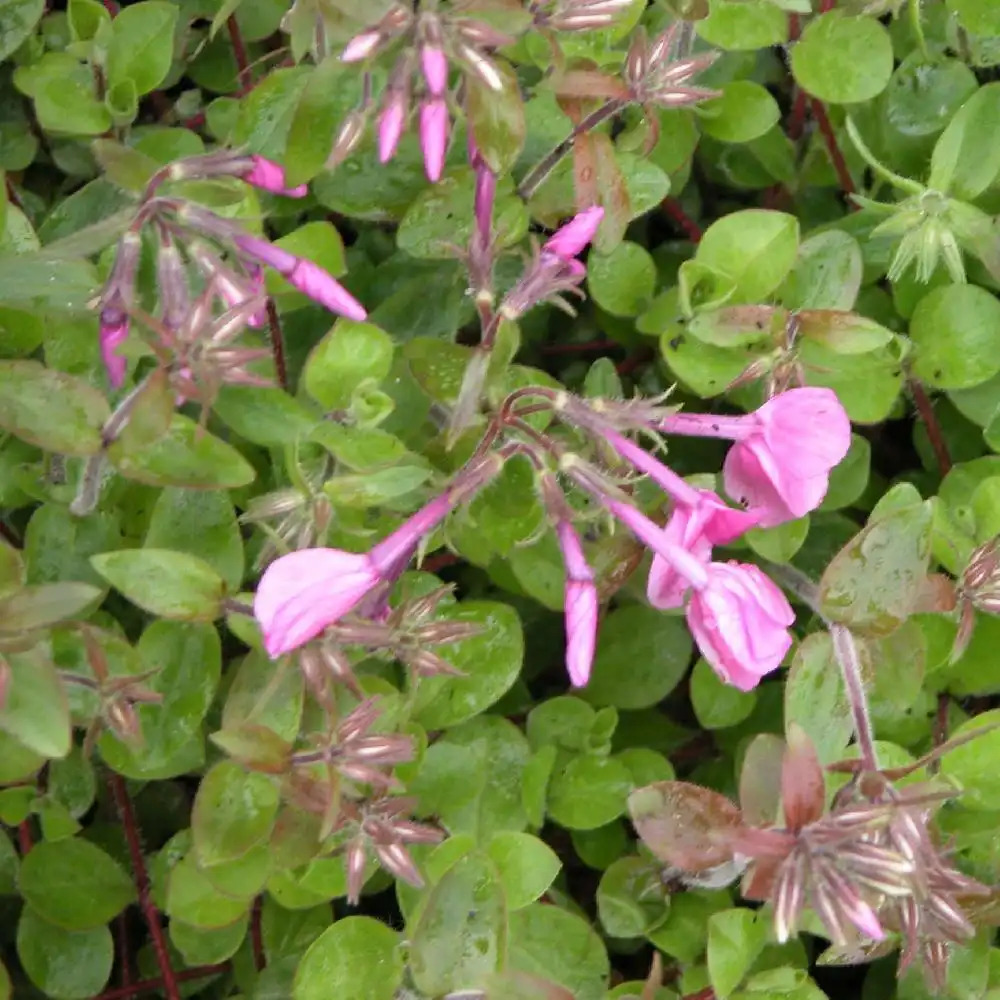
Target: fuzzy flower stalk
[[303, 593], [195, 250]]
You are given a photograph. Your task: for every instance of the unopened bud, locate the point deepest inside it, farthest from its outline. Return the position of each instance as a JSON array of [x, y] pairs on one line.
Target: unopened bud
[[123, 721], [428, 664], [482, 35], [483, 67], [397, 861], [349, 135], [443, 632], [355, 865]]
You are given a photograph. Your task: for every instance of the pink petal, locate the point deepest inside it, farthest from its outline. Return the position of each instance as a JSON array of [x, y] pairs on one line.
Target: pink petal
[[572, 238], [302, 593], [806, 426], [390, 129], [434, 64], [434, 137], [361, 46], [112, 335], [271, 177], [309, 278], [748, 483], [581, 629]]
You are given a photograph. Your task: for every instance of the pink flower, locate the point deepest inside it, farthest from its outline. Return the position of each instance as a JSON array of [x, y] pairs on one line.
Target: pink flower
[[697, 528], [572, 238], [434, 136], [784, 451], [434, 64], [305, 275], [390, 126], [271, 177], [581, 606], [361, 46], [302, 593], [740, 620], [114, 333]]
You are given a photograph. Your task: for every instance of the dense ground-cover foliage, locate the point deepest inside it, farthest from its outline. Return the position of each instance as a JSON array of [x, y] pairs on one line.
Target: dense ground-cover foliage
[[497, 499]]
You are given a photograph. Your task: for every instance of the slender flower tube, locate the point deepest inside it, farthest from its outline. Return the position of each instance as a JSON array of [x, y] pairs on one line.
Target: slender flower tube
[[119, 290], [114, 333], [784, 451], [302, 593], [581, 606], [390, 125], [434, 136], [269, 176], [570, 240], [305, 275]]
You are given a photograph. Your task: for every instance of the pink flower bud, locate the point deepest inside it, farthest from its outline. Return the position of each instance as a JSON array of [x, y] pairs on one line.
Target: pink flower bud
[[114, 332], [270, 176], [581, 602], [434, 64], [740, 620], [309, 278], [361, 46], [390, 126], [572, 238], [434, 137]]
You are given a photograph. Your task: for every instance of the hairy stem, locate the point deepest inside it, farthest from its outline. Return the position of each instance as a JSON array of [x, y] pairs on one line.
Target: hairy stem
[[833, 147], [277, 338], [239, 53], [152, 985], [538, 174], [846, 652], [141, 875], [925, 410]]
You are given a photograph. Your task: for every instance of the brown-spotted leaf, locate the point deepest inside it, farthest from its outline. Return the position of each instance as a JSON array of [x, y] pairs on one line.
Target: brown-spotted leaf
[[588, 83], [613, 196], [760, 779], [803, 791], [737, 326], [496, 119], [875, 582], [685, 825], [842, 332]]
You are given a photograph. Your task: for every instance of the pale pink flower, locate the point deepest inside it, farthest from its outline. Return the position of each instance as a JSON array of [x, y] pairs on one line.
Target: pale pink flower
[[390, 126], [302, 593], [697, 528], [114, 333], [784, 451], [581, 603], [740, 620], [270, 176], [571, 239], [434, 64], [305, 275], [434, 136]]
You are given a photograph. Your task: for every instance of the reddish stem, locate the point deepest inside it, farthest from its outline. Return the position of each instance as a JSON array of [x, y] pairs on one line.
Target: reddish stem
[[149, 910], [827, 5], [797, 119], [124, 952], [24, 837], [239, 53], [277, 338], [677, 214], [148, 985], [925, 410], [441, 561], [832, 147], [590, 345], [636, 361], [257, 937]]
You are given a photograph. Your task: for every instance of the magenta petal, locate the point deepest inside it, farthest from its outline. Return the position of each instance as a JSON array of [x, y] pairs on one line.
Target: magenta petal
[[581, 629], [309, 278], [271, 177], [302, 593], [748, 482], [434, 137], [572, 238], [434, 64], [113, 334], [390, 129], [361, 46]]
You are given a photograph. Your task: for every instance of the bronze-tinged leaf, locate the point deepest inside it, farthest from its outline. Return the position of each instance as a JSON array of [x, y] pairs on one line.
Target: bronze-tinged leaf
[[613, 196], [588, 83], [496, 119], [842, 332], [803, 791], [760, 779], [685, 825]]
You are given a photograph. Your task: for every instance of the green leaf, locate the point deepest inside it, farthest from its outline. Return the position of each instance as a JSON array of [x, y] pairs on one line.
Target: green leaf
[[64, 964], [234, 811], [330, 93], [201, 523], [631, 898], [981, 17], [735, 939], [743, 25], [168, 584], [357, 958], [35, 711], [185, 661], [780, 543], [827, 273], [755, 248], [17, 21], [640, 658], [526, 866], [204, 946], [955, 331], [496, 119], [976, 765], [186, 455], [622, 282], [262, 693], [964, 162], [348, 355], [460, 936], [744, 111], [490, 662], [37, 607], [142, 45], [264, 415], [192, 899], [589, 792], [874, 582], [843, 59], [718, 705], [556, 945], [74, 884], [50, 409], [815, 698]]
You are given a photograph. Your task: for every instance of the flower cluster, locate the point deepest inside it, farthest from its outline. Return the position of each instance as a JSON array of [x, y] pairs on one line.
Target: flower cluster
[[195, 248]]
